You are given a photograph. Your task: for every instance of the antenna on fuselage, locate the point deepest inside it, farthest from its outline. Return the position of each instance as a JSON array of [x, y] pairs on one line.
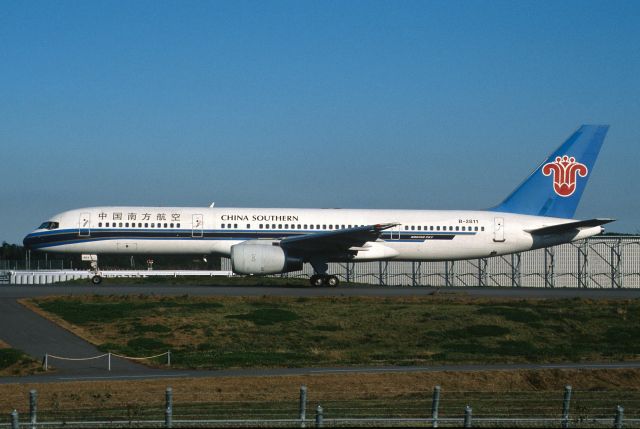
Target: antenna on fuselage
[[212, 204]]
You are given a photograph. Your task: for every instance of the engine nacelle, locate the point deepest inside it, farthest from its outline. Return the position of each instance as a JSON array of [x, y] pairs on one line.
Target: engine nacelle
[[260, 257]]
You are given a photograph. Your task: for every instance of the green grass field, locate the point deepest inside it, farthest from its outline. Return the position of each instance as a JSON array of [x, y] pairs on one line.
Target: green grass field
[[227, 332]]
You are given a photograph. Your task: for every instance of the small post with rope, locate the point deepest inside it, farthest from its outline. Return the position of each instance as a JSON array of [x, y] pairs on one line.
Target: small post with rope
[[46, 361], [109, 361], [169, 358]]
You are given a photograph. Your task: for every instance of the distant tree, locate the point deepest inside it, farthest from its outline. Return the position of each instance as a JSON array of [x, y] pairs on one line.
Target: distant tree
[[11, 251]]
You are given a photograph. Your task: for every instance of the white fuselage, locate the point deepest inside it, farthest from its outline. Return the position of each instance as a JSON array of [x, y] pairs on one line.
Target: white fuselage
[[421, 235]]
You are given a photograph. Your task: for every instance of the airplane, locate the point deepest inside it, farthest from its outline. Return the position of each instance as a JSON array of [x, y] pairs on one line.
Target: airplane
[[262, 241]]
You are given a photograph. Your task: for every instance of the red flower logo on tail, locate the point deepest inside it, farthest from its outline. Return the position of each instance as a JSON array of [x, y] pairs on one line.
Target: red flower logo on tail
[[565, 172]]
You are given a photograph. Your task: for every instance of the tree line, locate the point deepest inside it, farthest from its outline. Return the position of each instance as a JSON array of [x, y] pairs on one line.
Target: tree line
[[15, 252]]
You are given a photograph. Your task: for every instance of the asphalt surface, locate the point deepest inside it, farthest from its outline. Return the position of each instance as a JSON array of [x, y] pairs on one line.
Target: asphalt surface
[[109, 288], [25, 330]]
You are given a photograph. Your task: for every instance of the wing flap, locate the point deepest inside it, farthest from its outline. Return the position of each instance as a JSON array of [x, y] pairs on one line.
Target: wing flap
[[569, 226]]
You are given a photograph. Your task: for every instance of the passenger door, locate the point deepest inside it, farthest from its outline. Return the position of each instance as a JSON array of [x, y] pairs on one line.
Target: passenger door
[[498, 229], [197, 226], [84, 225]]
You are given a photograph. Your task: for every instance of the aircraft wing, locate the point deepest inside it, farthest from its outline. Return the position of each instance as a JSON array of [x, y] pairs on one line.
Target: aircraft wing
[[340, 240], [569, 226]]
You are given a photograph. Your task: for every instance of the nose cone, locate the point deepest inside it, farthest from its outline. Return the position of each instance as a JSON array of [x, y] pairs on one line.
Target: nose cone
[[29, 241]]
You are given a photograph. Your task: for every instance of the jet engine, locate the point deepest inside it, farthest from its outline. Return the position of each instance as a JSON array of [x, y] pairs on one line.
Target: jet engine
[[260, 257]]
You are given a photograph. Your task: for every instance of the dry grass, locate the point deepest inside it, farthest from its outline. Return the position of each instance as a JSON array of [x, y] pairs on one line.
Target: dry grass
[[321, 387]]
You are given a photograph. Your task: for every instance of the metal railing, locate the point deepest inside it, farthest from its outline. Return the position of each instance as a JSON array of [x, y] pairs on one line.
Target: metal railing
[[426, 409]]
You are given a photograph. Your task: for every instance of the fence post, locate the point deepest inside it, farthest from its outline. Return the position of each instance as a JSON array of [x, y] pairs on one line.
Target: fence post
[[467, 416], [15, 423], [619, 422], [303, 406], [319, 417], [435, 403], [33, 408], [565, 406], [348, 273], [168, 408]]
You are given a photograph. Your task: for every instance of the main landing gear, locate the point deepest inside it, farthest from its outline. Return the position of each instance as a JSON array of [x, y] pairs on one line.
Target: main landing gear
[[324, 280], [321, 278]]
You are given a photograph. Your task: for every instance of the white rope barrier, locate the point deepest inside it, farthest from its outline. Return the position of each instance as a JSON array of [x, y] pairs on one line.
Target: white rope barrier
[[140, 358], [75, 359], [108, 355]]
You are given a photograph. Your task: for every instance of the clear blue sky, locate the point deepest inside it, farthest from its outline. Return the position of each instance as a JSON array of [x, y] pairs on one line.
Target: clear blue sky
[[359, 104]]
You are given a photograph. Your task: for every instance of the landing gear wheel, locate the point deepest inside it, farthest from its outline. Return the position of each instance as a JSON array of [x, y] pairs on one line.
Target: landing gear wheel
[[332, 281], [96, 280], [316, 280]]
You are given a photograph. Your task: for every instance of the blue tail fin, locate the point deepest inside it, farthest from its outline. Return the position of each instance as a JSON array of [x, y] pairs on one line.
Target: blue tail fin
[[555, 187]]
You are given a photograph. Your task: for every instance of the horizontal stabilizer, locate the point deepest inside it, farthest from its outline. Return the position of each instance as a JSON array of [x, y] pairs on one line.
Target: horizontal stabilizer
[[569, 226]]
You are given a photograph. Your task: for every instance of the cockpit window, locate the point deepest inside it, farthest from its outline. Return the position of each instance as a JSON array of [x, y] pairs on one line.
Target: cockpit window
[[49, 225]]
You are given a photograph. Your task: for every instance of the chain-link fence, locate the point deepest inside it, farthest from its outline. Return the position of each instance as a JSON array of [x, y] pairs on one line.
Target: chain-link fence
[[597, 262], [600, 262]]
